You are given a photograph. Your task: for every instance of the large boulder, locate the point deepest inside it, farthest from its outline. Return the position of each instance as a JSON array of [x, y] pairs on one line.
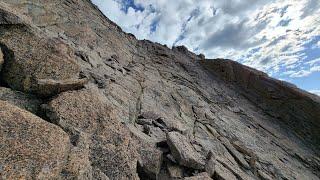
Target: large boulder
[[183, 151], [32, 58], [30, 147], [112, 150]]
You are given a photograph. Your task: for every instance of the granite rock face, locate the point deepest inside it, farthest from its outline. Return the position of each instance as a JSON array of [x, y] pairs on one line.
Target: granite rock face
[[30, 146], [81, 99], [31, 56], [90, 123], [281, 100]]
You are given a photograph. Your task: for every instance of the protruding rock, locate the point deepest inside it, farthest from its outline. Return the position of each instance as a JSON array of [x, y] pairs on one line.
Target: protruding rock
[[31, 148], [183, 151], [181, 49], [31, 56], [50, 87], [202, 56], [149, 115], [144, 121], [112, 150], [202, 176]]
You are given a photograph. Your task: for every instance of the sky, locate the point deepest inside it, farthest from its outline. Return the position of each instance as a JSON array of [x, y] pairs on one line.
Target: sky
[[279, 37]]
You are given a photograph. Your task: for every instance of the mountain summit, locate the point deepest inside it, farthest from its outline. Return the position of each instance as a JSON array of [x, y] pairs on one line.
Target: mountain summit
[[81, 99]]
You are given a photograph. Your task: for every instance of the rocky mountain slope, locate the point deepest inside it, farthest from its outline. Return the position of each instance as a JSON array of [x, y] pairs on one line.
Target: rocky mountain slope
[[81, 99]]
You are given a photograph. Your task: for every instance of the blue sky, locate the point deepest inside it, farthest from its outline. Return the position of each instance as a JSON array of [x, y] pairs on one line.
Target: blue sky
[[279, 37]]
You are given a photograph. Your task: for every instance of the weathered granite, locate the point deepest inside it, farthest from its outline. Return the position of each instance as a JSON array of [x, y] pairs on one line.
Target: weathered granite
[[139, 91], [183, 151], [30, 147]]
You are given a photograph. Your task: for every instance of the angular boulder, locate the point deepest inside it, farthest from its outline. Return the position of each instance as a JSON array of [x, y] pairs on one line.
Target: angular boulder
[[50, 87], [31, 148], [183, 151], [30, 55], [112, 150]]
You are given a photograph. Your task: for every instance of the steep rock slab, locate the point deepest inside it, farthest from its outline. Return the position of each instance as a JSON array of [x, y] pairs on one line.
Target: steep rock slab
[[296, 108], [112, 150], [30, 147]]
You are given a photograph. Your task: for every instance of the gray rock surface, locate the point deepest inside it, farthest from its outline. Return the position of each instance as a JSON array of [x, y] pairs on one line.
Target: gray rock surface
[[150, 160], [112, 99], [203, 176], [223, 173], [183, 151], [111, 148]]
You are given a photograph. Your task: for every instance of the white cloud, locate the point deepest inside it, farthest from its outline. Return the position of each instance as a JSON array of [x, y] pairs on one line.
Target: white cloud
[[304, 73], [313, 62], [317, 92]]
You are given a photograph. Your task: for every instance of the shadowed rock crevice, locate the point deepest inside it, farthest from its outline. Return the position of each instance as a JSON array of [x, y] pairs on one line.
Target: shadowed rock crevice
[[6, 56]]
